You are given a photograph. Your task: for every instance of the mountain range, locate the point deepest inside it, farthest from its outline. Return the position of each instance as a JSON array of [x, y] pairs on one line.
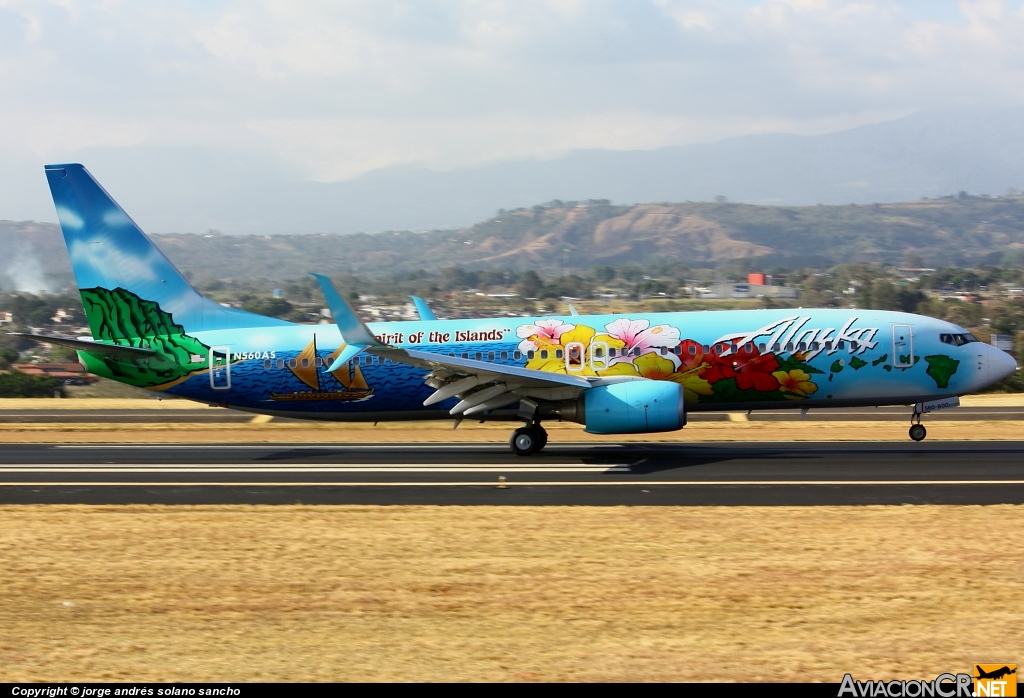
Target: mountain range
[[571, 236], [976, 149]]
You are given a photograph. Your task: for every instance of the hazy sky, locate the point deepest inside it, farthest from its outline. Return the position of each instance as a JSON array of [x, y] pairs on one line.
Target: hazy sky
[[335, 89]]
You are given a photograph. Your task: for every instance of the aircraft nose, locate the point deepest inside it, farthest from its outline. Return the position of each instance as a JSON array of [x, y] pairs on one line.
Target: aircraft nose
[[1001, 364]]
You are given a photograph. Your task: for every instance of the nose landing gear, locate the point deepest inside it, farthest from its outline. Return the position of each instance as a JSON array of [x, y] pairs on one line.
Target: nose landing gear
[[917, 430], [529, 439]]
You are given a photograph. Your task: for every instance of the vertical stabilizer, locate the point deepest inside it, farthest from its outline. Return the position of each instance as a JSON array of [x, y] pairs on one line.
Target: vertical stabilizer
[[129, 288]]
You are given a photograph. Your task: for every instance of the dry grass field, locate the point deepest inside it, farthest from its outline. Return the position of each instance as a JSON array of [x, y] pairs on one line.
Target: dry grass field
[[266, 430], [416, 432], [507, 593]]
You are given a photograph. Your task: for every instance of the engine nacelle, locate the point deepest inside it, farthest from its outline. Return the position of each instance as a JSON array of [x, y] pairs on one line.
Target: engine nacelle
[[634, 407]]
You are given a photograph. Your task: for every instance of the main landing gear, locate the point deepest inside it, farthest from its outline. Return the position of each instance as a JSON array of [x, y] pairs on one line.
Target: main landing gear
[[527, 440]]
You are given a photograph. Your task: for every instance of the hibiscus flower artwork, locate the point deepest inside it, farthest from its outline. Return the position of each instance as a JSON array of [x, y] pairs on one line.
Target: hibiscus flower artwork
[[639, 338], [541, 333], [724, 373]]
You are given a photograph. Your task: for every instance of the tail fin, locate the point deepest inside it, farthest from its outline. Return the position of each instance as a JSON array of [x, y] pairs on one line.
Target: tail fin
[[129, 288]]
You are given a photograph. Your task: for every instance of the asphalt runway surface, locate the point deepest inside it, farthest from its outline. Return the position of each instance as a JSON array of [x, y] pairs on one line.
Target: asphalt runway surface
[[813, 473], [226, 416]]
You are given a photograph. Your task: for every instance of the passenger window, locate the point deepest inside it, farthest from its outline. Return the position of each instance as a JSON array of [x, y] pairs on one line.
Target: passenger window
[[802, 346], [599, 352], [853, 346], [611, 352], [518, 355], [693, 350], [504, 356], [706, 348], [291, 363], [558, 353], [828, 346], [266, 364], [762, 347], [479, 356], [776, 348], [318, 362], [465, 354], [841, 345], [543, 353], [677, 350], [305, 363], [750, 348], [280, 363], [490, 356], [789, 346], [636, 351], [814, 346], [531, 354]]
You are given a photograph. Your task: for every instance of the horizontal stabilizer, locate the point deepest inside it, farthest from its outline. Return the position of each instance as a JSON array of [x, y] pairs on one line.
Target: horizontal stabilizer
[[112, 350]]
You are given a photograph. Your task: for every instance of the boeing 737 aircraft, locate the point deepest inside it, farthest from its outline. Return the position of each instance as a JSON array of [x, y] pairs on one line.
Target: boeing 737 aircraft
[[616, 374]]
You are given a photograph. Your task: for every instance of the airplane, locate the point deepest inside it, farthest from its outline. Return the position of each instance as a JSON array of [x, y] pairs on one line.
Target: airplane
[[622, 373], [995, 674]]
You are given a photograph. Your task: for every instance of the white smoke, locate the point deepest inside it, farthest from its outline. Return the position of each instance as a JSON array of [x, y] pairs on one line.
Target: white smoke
[[25, 271]]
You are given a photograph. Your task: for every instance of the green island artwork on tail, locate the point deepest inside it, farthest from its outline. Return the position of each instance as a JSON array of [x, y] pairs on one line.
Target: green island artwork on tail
[[121, 317]]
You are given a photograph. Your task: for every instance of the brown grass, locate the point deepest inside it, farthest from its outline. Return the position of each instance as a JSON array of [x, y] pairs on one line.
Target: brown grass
[[496, 593]]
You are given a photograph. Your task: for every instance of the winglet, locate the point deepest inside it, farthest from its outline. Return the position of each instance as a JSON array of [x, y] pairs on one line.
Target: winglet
[[423, 309], [572, 310], [353, 331]]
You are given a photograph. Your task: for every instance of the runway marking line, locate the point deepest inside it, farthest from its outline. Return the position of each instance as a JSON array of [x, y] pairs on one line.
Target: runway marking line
[[529, 483], [312, 468]]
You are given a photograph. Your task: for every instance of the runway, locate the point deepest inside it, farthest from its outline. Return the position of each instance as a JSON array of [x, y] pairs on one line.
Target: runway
[[730, 474]]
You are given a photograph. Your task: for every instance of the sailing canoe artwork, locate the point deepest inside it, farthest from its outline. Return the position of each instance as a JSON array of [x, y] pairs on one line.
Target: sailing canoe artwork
[[306, 367]]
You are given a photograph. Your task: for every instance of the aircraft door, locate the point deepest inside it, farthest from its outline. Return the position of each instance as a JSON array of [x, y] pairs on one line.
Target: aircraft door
[[599, 356], [902, 346], [220, 368], [574, 361]]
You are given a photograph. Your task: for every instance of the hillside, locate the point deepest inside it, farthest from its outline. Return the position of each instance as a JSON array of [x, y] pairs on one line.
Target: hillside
[[960, 231]]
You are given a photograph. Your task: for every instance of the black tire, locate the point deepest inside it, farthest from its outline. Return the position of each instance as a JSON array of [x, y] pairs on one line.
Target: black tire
[[524, 441], [542, 436], [918, 432]]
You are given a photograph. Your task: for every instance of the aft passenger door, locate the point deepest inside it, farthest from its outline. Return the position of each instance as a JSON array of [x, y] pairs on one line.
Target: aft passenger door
[[902, 346], [220, 368]]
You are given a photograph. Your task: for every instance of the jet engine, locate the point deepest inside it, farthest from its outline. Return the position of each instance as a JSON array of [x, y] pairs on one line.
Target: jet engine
[[633, 407]]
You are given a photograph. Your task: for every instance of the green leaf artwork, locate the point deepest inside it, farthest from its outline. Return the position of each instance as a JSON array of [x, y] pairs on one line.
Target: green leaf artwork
[[941, 368], [121, 317]]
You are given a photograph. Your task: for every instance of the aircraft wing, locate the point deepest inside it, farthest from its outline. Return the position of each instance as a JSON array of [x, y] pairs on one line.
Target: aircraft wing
[[116, 351], [482, 385]]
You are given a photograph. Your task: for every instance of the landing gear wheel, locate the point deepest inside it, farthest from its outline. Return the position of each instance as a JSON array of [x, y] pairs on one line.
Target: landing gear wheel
[[543, 436], [524, 441], [918, 432]]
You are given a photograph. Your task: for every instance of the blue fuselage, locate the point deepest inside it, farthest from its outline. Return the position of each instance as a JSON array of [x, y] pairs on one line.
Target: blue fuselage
[[724, 360]]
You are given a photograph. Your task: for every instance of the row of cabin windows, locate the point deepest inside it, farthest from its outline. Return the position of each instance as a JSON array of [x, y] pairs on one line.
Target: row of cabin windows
[[377, 361], [694, 349], [598, 352]]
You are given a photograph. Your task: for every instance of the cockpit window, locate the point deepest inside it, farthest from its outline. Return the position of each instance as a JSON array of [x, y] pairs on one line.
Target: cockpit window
[[957, 340]]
